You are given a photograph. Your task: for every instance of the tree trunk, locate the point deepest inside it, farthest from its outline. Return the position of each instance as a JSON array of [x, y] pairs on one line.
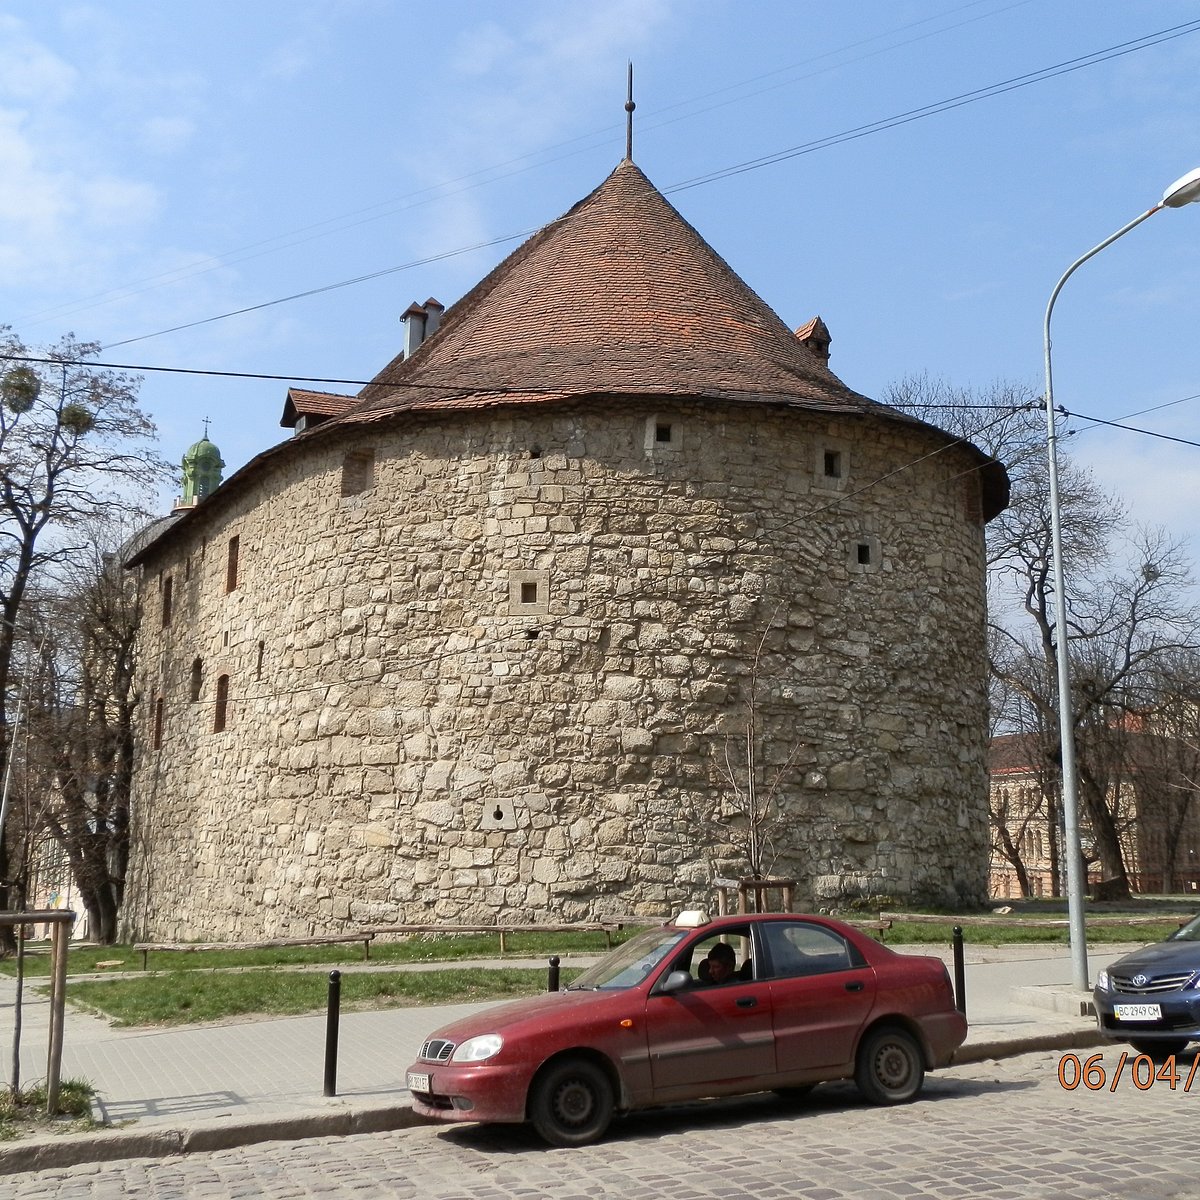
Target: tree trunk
[[1108, 842], [1013, 855]]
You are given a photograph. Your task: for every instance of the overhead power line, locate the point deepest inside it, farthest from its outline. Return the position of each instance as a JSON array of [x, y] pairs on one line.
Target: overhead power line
[[534, 159], [861, 131], [1166, 437], [500, 390], [941, 106]]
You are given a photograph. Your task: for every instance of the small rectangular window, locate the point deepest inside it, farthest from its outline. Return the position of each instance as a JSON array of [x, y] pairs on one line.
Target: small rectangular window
[[662, 434], [158, 723], [358, 472], [221, 708], [833, 464], [864, 556], [528, 593], [231, 564], [167, 598]]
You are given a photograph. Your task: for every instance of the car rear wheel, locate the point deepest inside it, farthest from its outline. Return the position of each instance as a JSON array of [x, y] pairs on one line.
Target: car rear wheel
[[1160, 1050], [571, 1103], [889, 1068]]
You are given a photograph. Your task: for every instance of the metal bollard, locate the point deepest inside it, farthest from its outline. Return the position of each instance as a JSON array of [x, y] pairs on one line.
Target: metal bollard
[[331, 1032], [552, 974], [960, 973]]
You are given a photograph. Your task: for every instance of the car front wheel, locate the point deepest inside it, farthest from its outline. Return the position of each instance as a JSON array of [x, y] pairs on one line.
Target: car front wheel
[[571, 1103], [889, 1068]]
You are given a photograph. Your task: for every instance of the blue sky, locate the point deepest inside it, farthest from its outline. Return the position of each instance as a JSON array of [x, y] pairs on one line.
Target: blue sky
[[164, 164]]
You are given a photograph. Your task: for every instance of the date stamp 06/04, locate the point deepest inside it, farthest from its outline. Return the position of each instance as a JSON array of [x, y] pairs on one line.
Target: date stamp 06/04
[[1141, 1070]]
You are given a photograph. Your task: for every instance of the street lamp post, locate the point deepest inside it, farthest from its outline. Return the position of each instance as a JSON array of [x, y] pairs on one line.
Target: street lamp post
[[1182, 191]]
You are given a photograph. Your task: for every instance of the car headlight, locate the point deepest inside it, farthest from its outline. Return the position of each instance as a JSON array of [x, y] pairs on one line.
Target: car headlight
[[1102, 982], [478, 1049]]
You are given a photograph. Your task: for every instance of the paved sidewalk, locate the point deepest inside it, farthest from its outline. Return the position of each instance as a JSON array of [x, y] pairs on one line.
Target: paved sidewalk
[[210, 1087]]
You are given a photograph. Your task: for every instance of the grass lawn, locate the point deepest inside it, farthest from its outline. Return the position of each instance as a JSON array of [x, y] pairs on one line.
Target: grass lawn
[[424, 948], [217, 985], [912, 933], [184, 998]]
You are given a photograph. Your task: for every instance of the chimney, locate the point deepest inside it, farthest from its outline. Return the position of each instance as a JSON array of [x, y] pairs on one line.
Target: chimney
[[433, 316], [414, 320]]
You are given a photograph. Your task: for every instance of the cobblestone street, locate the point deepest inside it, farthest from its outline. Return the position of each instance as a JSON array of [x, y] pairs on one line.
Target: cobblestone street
[[1002, 1130]]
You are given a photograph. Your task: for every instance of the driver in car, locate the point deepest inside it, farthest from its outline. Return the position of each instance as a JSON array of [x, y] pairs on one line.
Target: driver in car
[[719, 966]]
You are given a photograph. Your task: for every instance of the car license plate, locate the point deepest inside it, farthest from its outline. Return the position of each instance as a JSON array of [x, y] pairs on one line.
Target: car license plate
[[418, 1083], [1137, 1012]]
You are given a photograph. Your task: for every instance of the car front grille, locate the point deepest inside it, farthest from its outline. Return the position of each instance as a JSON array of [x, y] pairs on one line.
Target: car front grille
[[437, 1050], [1150, 985]]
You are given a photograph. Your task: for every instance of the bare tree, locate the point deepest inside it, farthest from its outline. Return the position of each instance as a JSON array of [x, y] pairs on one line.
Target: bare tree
[[1127, 607], [1165, 754], [74, 443], [1022, 799], [81, 727], [753, 764]]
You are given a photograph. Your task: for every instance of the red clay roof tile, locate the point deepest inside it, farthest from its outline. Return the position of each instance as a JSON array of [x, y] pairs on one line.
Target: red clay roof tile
[[620, 294]]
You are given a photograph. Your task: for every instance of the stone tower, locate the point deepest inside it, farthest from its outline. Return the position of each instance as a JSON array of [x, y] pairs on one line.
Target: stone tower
[[511, 633]]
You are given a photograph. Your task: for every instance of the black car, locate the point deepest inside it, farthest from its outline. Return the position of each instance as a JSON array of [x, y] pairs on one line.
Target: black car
[[1151, 997]]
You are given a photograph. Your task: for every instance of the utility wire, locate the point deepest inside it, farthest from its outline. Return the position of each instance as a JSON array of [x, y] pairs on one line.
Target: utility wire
[[502, 390], [510, 167], [935, 109], [942, 106], [1166, 437]]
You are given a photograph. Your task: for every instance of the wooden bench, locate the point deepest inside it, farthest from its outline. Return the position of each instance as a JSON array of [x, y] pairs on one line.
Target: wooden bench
[[365, 936]]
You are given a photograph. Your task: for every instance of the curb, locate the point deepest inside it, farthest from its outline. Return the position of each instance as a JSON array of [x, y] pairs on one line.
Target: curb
[[46, 1152], [977, 1052], [66, 1150]]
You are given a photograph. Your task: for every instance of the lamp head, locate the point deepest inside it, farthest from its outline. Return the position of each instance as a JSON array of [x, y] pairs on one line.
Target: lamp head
[[1183, 191]]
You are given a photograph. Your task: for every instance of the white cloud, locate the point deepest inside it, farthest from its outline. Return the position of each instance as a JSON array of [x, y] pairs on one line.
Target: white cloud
[[1158, 481], [521, 89], [29, 73], [34, 203], [482, 50], [112, 203], [166, 135]]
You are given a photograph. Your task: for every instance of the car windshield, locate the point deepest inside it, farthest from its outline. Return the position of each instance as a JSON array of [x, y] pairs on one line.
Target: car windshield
[[629, 964], [1188, 933]]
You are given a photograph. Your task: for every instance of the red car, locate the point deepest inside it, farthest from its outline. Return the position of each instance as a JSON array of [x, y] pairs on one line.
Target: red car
[[665, 1018]]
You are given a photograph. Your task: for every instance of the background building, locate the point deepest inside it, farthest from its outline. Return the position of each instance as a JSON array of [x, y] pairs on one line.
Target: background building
[[1151, 794]]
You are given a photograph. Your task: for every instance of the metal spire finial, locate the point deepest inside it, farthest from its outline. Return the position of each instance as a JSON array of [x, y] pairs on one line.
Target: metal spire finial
[[629, 107], [206, 427]]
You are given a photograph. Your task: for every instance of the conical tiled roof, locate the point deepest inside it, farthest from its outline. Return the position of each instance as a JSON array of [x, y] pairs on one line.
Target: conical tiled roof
[[620, 295]]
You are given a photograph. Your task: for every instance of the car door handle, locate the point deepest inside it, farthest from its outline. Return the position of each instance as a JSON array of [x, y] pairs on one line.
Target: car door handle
[[854, 987], [747, 1002]]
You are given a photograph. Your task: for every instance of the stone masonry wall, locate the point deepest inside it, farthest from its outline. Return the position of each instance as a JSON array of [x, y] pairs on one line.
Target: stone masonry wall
[[501, 680]]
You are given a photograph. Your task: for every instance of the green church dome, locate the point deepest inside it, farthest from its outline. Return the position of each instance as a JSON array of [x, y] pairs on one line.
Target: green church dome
[[202, 466]]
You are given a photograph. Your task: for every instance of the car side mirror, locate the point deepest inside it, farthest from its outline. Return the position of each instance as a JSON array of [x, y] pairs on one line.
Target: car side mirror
[[676, 981]]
